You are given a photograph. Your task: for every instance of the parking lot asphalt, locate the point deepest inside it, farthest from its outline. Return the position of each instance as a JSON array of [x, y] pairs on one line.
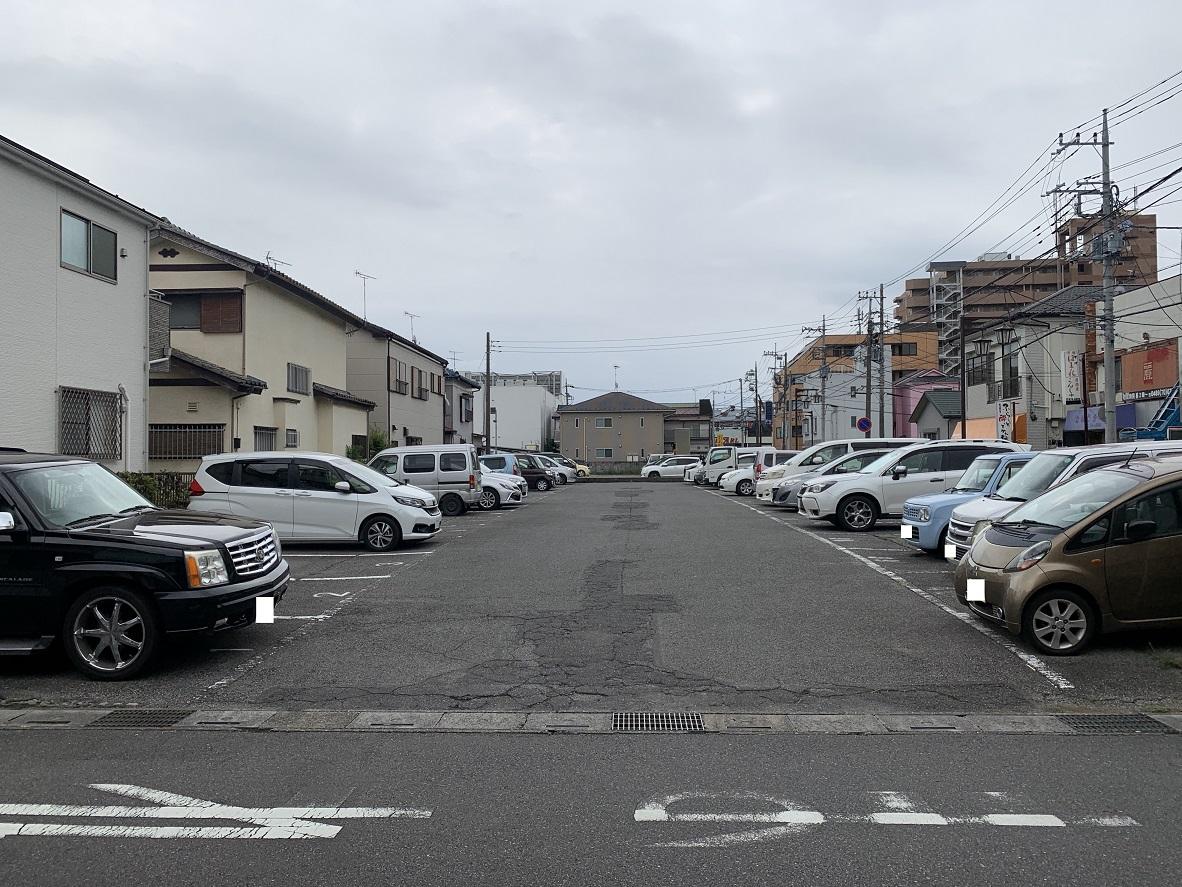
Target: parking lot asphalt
[[600, 597]]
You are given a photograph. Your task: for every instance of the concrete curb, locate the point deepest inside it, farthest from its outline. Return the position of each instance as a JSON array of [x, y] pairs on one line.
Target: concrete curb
[[343, 721]]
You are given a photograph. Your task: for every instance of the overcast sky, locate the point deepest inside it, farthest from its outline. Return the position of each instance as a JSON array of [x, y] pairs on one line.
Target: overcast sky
[[556, 170]]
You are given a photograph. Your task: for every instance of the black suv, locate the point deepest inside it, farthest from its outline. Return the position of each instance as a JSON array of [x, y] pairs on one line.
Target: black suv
[[86, 558]]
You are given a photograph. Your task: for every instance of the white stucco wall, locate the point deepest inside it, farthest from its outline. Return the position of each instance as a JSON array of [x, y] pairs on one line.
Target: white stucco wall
[[524, 418], [60, 327]]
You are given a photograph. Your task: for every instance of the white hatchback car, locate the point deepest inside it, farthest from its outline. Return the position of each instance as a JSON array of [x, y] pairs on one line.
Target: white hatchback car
[[740, 481], [563, 474], [857, 501], [674, 466], [316, 497], [498, 489]]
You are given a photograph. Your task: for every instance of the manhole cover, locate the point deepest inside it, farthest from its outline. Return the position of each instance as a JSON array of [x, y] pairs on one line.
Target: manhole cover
[[657, 722], [1114, 724], [157, 717]]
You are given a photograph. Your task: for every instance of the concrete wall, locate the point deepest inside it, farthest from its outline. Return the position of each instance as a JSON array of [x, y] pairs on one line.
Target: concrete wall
[[524, 417], [399, 415], [60, 327]]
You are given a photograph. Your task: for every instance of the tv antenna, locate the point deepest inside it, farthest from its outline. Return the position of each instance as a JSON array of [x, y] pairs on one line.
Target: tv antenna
[[364, 278], [272, 261], [412, 325]]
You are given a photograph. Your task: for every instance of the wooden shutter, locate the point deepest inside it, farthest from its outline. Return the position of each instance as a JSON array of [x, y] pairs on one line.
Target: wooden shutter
[[221, 313]]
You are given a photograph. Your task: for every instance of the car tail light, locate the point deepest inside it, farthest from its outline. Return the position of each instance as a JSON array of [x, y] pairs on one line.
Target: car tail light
[[471, 481], [758, 469], [195, 488]]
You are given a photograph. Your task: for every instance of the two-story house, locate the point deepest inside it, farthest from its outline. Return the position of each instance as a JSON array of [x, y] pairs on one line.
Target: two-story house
[[458, 405], [404, 380], [75, 314], [613, 427], [258, 359]]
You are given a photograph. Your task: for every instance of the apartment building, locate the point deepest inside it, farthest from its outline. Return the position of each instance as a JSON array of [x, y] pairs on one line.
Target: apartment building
[[997, 283], [79, 329], [612, 428], [403, 379], [258, 359]]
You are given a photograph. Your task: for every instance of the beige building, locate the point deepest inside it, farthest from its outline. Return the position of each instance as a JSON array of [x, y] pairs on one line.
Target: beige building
[[403, 379], [613, 427], [258, 362]]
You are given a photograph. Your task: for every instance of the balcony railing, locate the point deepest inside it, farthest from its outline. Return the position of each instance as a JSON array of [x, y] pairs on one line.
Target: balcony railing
[[1005, 389]]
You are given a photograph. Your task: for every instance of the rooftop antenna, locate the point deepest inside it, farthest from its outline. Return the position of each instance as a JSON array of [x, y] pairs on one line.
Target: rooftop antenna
[[453, 354], [364, 279], [412, 325], [272, 261], [1130, 459]]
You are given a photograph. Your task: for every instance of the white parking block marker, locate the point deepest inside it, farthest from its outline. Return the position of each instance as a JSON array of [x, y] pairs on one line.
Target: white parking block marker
[[264, 609], [905, 531], [950, 551], [976, 590]]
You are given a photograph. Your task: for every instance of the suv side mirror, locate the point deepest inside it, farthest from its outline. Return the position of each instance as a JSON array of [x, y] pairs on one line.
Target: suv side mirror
[[7, 522], [1140, 530], [899, 471], [342, 486]]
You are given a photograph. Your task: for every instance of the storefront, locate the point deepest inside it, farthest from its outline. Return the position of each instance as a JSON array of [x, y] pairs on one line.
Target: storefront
[[1073, 425]]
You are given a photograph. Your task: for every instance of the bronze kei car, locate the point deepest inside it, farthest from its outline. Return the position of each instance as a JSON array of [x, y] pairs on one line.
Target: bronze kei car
[[1098, 553]]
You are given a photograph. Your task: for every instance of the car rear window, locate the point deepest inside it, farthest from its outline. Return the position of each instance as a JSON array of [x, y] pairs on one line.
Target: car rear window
[[453, 462], [496, 463], [263, 474], [418, 463], [222, 472]]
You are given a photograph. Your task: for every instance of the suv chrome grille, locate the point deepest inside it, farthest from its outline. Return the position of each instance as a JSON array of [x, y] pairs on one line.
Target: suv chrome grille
[[254, 555], [960, 533]]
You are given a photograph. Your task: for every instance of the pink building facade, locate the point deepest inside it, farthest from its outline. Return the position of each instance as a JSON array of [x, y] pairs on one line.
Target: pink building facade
[[907, 392]]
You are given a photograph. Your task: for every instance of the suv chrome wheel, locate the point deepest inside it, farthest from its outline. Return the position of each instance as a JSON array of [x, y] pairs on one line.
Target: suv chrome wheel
[[857, 513], [111, 633]]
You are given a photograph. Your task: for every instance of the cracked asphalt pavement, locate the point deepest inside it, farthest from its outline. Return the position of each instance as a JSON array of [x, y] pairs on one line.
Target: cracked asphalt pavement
[[603, 597]]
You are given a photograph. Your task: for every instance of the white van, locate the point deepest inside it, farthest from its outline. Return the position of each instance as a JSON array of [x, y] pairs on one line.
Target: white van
[[822, 454], [720, 460], [450, 471]]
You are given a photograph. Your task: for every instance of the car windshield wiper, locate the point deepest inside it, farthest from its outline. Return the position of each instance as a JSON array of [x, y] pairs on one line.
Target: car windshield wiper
[[93, 517], [1026, 523], [134, 508]]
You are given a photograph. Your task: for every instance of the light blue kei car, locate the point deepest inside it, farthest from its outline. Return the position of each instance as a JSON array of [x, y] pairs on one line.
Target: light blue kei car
[[929, 515]]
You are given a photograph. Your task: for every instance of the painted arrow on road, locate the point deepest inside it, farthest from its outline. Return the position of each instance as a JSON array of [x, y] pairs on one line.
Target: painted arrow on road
[[258, 822]]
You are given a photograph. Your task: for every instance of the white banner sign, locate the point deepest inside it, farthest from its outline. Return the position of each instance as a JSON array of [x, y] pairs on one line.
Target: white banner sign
[[1071, 363]]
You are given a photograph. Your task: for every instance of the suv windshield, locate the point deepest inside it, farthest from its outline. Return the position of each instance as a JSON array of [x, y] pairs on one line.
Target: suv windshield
[[976, 476], [1039, 473], [887, 458], [65, 495], [1074, 500]]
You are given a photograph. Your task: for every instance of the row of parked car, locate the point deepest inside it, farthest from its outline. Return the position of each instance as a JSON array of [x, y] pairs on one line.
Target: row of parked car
[[1056, 546], [86, 559]]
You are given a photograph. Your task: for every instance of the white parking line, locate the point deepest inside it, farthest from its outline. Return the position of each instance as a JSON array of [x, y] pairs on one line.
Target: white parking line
[[1033, 662], [339, 578]]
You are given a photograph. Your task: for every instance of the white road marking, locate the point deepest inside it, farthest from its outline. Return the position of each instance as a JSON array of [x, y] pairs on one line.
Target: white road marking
[[332, 594], [261, 822], [1033, 662], [319, 616], [339, 578], [357, 554]]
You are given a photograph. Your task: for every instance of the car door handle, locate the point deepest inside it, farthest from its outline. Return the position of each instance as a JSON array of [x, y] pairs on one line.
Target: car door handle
[[936, 480], [302, 494], [283, 493]]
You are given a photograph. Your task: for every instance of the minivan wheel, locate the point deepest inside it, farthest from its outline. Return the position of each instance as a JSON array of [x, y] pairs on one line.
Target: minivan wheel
[[451, 505], [381, 533], [110, 633], [857, 514], [745, 488], [562, 480], [489, 499], [543, 484], [1059, 622]]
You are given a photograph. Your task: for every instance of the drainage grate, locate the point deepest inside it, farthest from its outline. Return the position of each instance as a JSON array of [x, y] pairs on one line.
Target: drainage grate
[[1114, 724], [657, 722], [151, 717]]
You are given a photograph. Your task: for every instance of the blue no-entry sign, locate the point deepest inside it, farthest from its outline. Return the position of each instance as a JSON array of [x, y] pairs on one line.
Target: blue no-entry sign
[[864, 424]]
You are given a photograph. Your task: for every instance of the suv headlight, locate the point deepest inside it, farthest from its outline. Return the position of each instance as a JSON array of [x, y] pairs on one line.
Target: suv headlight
[[821, 487], [1028, 558], [275, 540], [205, 568], [409, 502]]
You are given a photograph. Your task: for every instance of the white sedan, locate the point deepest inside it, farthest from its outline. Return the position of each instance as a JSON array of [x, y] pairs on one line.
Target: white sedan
[[497, 490], [740, 481], [675, 466]]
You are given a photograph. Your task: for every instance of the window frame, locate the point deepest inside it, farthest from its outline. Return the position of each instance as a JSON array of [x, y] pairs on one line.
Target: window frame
[[89, 269], [606, 422], [288, 435], [605, 452], [407, 461], [293, 379]]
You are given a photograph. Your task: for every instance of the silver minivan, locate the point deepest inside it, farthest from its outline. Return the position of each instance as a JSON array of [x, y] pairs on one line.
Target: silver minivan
[[450, 471]]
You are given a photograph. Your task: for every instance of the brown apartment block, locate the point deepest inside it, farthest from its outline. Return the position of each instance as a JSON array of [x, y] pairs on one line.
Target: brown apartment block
[[997, 283]]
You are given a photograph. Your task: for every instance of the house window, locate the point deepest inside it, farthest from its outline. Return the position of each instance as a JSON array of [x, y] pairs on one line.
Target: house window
[[979, 369], [1118, 374], [603, 452], [293, 437], [417, 388], [1010, 386], [184, 312], [89, 423], [853, 421], [299, 379], [576, 452], [904, 349], [642, 425], [177, 441], [221, 312], [576, 421], [437, 383], [603, 421], [398, 378], [265, 438], [465, 408], [88, 247]]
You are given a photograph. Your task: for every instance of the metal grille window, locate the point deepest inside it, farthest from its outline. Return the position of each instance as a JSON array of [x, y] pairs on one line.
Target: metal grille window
[[293, 437], [89, 423], [264, 438], [88, 247], [1010, 385], [299, 379], [398, 380], [980, 369], [465, 408], [177, 441], [417, 388]]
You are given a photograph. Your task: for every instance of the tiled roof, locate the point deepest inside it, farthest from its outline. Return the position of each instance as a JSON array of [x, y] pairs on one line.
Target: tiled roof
[[238, 380], [616, 402], [339, 394], [946, 402]]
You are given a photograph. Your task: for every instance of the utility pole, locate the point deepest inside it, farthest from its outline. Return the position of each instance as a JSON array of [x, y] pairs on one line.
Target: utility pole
[[1109, 298], [964, 379], [882, 429], [869, 362], [742, 430], [758, 406], [824, 370], [487, 391]]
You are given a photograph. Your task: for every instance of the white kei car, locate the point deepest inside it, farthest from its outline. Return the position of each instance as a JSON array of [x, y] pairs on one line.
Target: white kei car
[[498, 489], [674, 466], [740, 481]]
